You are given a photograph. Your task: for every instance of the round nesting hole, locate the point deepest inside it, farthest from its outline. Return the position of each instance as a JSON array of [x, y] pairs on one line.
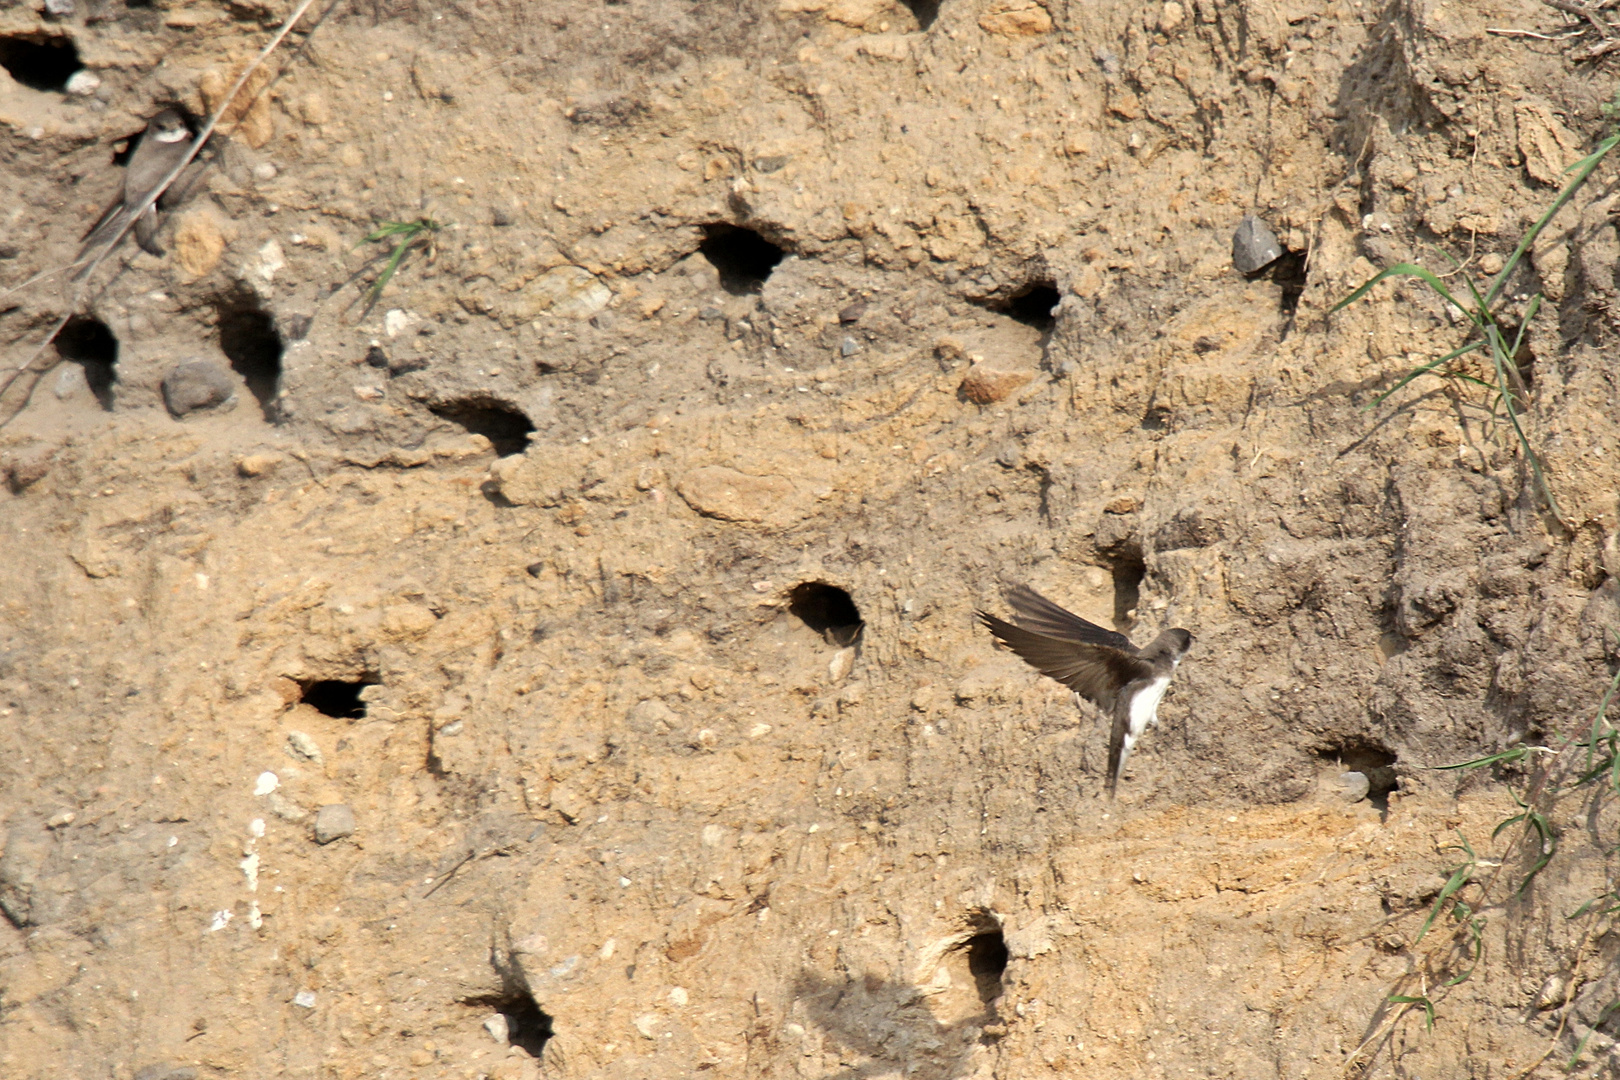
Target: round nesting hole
[[828, 610], [1034, 304], [40, 61], [505, 426], [87, 342], [527, 1025], [987, 962], [742, 256], [249, 339], [1371, 759], [338, 698]]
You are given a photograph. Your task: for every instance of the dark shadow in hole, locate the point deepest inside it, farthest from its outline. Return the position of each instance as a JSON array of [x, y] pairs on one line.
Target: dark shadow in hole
[[1128, 570], [925, 11], [1370, 758], [1290, 274], [845, 1009], [828, 610], [742, 256], [40, 61], [1033, 305], [987, 960], [248, 337], [87, 341], [1157, 418], [505, 426], [528, 1026], [338, 698]]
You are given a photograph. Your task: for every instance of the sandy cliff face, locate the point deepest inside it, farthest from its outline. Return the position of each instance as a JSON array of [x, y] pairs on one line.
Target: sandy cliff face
[[469, 684]]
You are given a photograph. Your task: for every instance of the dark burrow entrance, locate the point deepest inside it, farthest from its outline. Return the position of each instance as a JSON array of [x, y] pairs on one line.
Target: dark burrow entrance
[[1033, 306], [505, 426], [1128, 570], [924, 11], [339, 698], [828, 610], [1371, 759], [528, 1026], [249, 339], [742, 256], [40, 61], [987, 961], [87, 341]]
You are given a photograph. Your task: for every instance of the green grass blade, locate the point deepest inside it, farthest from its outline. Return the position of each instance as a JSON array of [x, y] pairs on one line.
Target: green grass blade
[[1404, 270], [1494, 338], [1508, 824], [1428, 1007], [1513, 754], [1602, 717], [1608, 1010], [1459, 878], [1582, 169], [1476, 935]]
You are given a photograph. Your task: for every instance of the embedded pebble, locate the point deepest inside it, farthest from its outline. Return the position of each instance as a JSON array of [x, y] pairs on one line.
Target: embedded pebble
[[499, 1028], [81, 82], [333, 822], [304, 999], [194, 385], [1254, 245], [1352, 787], [267, 782], [303, 746], [264, 171]]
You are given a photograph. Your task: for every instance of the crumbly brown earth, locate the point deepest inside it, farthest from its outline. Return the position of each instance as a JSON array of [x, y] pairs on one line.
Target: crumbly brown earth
[[520, 563]]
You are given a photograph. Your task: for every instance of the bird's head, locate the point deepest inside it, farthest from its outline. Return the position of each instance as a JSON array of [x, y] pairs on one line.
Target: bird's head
[[168, 126]]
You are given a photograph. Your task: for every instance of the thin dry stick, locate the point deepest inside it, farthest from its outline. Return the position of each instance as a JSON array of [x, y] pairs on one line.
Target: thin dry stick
[[151, 198]]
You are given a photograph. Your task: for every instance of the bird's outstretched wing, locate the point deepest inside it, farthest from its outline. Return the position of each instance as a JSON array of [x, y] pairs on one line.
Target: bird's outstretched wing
[[1095, 672], [1035, 612]]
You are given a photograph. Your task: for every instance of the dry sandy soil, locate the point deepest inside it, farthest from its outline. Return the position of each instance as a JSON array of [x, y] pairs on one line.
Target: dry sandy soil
[[565, 665]]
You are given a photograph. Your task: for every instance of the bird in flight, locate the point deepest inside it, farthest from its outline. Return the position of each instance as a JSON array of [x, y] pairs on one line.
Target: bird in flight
[[1099, 665]]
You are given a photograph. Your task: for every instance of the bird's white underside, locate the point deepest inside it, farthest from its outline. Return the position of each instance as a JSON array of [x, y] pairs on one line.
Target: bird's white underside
[[1144, 711], [172, 136]]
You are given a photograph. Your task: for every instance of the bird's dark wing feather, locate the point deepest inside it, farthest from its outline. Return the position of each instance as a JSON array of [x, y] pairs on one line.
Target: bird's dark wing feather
[[1095, 672], [1116, 749], [1035, 612]]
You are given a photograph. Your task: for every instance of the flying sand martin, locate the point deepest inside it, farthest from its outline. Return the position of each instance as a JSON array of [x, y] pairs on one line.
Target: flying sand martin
[[164, 142], [1099, 665]]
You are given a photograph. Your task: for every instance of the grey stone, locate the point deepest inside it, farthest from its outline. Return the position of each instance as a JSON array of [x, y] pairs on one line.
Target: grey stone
[[848, 347], [771, 163], [194, 385], [1352, 787], [333, 822], [1254, 245]]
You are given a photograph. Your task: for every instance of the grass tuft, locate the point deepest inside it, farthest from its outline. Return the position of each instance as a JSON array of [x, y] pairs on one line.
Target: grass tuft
[[408, 233], [1488, 334]]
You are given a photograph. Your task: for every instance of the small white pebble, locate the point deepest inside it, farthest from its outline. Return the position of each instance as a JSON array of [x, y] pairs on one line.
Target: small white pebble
[[304, 999], [268, 782], [265, 171]]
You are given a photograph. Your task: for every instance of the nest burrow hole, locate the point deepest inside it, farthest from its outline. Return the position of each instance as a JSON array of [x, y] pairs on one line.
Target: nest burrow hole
[[505, 426], [1371, 759], [1128, 570], [743, 258], [1034, 305], [528, 1026], [826, 609], [924, 11], [342, 699], [987, 961], [40, 61], [88, 342], [250, 341]]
